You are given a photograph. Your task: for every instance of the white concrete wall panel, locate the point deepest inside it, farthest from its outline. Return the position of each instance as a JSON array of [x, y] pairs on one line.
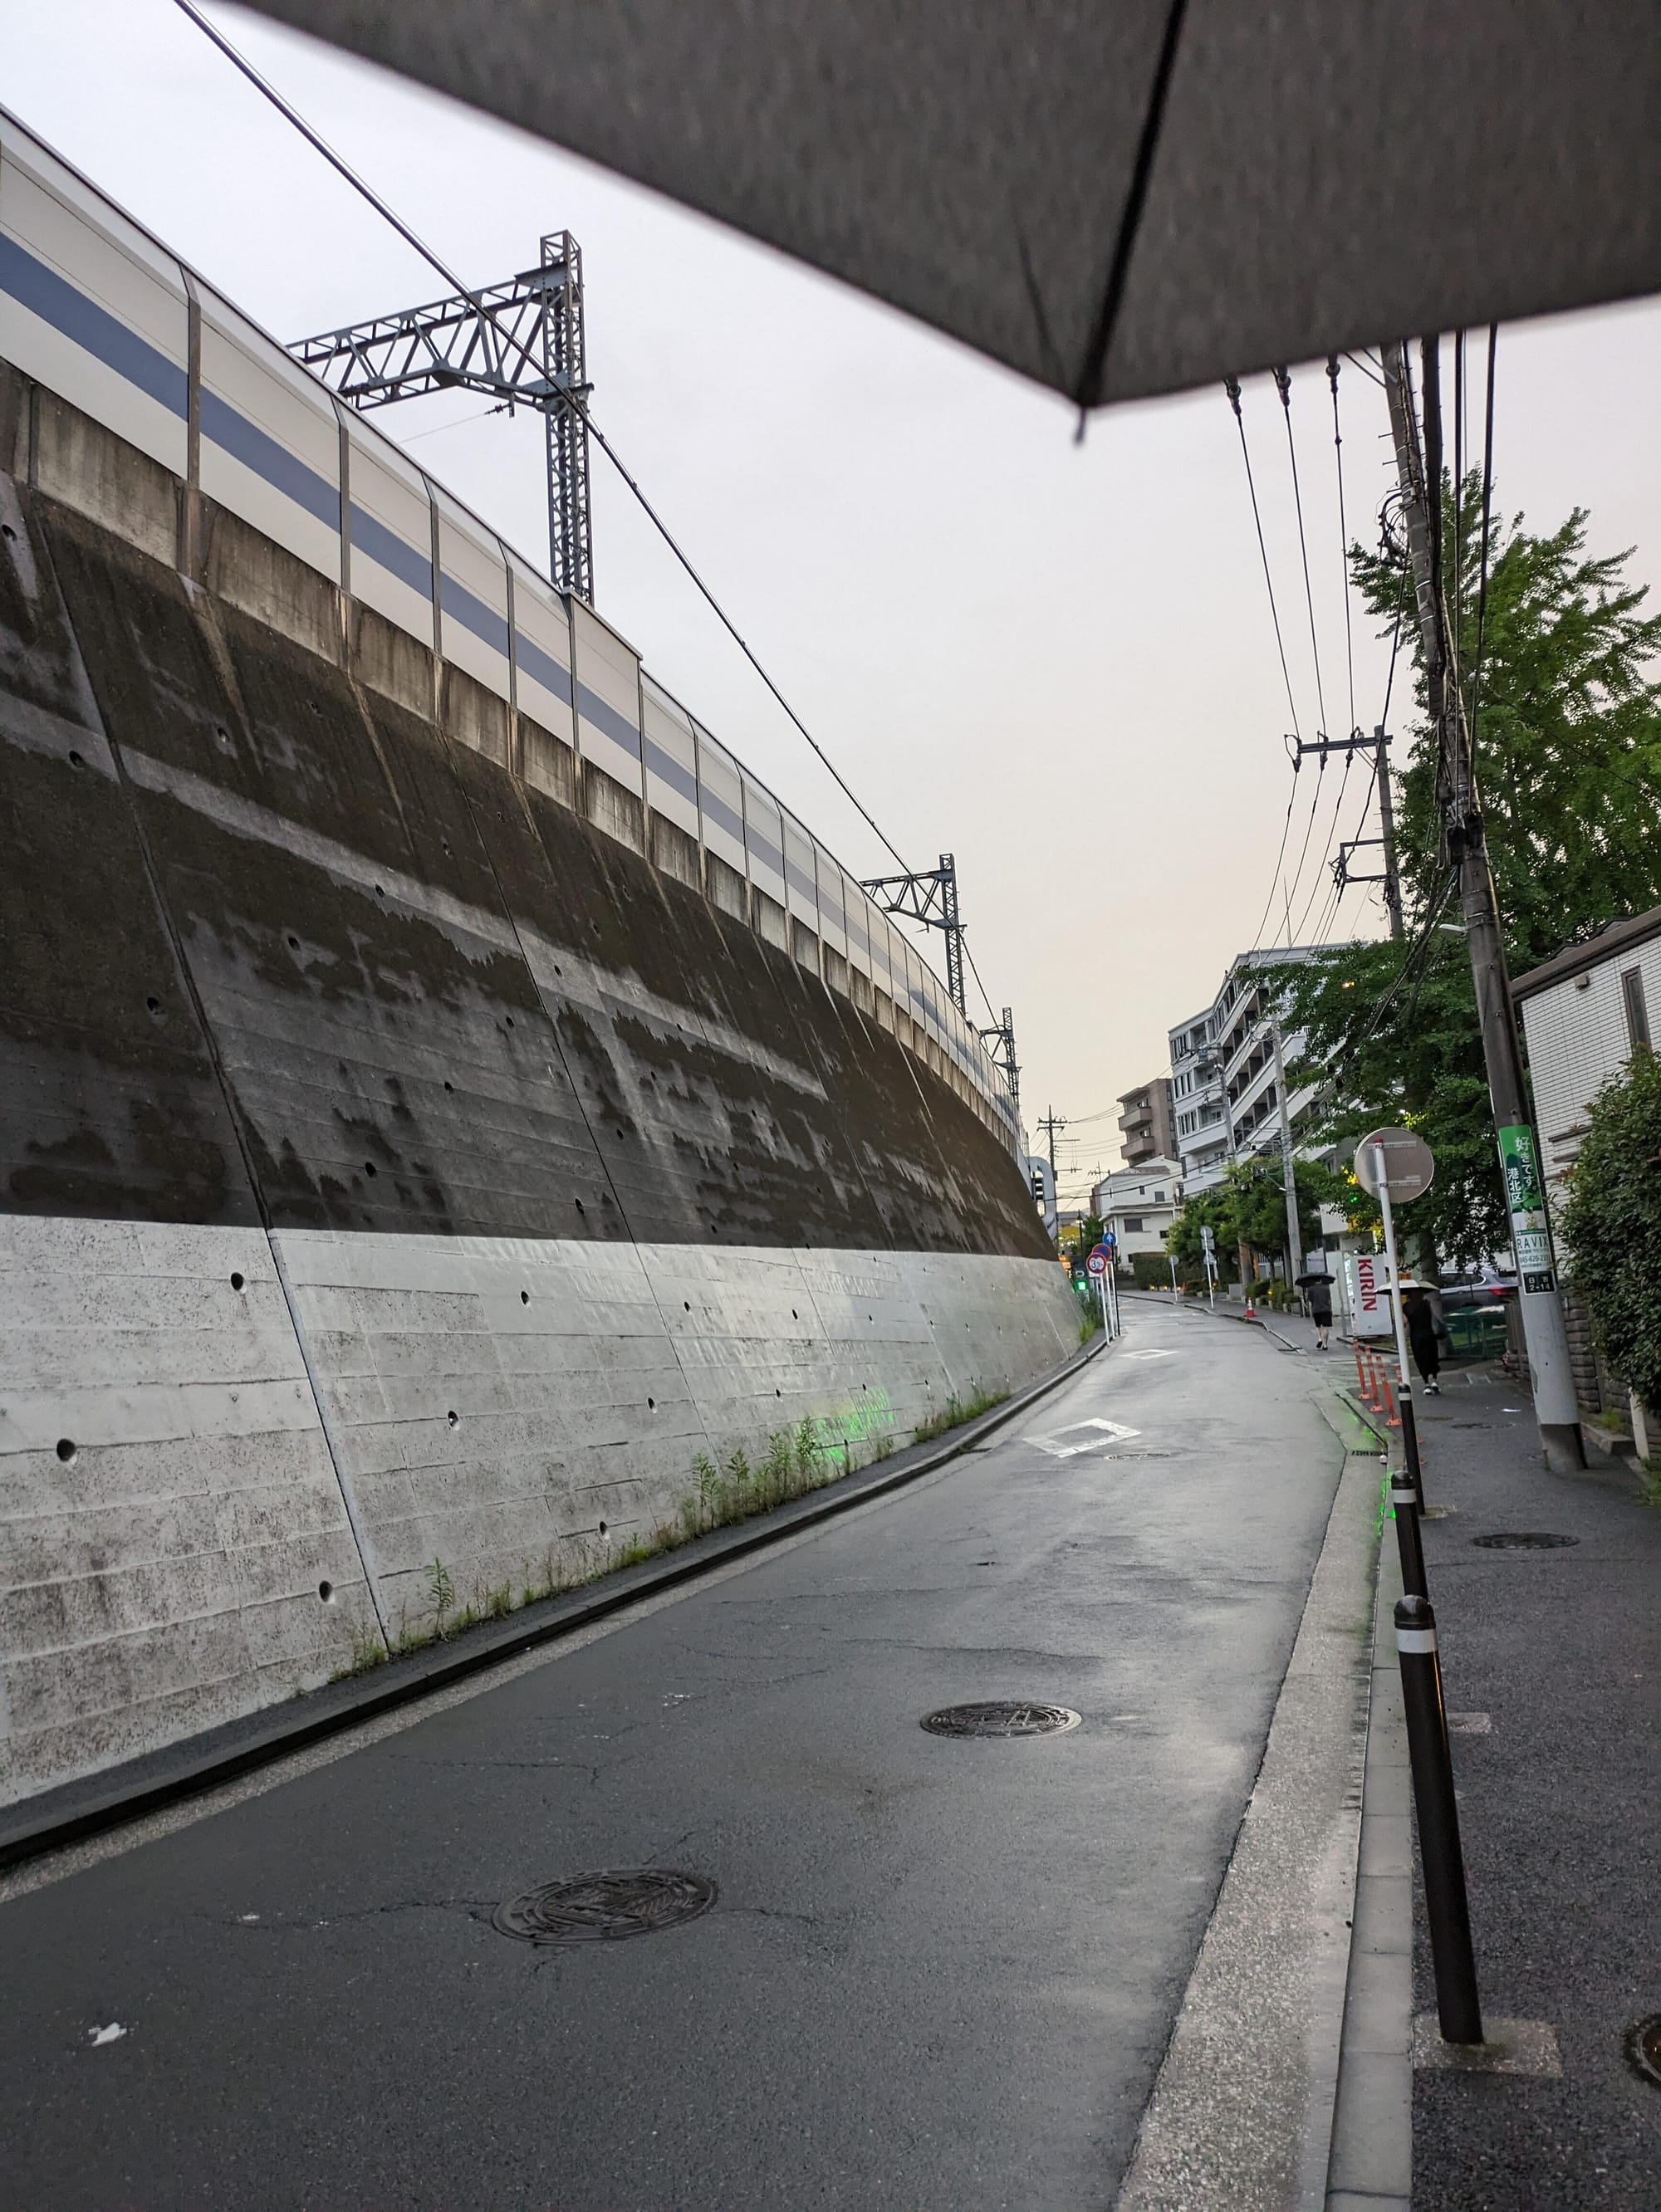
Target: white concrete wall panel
[[542, 652], [720, 802], [801, 891], [608, 699], [671, 779], [168, 1508], [270, 441], [833, 924], [90, 305], [764, 839], [472, 596], [389, 520]]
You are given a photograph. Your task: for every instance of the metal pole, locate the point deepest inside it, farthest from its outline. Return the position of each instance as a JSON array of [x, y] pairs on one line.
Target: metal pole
[[1458, 2008], [1173, 1278], [1409, 1425], [1544, 1333], [1288, 1163], [1387, 834], [1101, 1289]]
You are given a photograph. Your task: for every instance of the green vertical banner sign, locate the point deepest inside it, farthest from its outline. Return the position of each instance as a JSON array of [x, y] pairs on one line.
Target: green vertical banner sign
[[1530, 1232]]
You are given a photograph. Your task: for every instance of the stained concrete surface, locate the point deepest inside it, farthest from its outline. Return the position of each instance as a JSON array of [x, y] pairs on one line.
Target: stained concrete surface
[[1557, 1811], [938, 1973]]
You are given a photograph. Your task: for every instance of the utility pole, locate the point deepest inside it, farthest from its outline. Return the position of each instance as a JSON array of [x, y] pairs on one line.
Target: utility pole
[[1052, 1122], [1387, 834], [1544, 1334], [1378, 746], [1288, 1160]]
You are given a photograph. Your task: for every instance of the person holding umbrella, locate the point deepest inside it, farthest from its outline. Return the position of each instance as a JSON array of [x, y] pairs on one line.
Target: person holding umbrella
[[1420, 1316], [1318, 1284]]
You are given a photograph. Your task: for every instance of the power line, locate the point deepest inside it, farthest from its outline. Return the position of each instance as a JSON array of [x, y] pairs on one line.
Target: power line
[[1283, 385], [1488, 496], [1344, 539], [1232, 385], [337, 162]]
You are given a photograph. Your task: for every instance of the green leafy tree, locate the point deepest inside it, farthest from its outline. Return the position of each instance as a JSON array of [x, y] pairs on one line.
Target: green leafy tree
[[1249, 1206], [1612, 1224], [1567, 712]]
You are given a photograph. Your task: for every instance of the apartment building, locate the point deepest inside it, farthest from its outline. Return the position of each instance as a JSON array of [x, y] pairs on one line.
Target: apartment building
[[1145, 1131], [1138, 1204], [1200, 1126]]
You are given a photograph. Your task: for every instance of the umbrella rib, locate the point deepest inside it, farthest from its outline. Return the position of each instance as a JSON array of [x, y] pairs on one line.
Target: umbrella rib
[[1087, 390]]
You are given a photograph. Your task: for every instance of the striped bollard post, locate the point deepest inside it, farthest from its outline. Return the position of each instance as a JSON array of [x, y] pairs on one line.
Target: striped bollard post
[[1404, 1505], [1459, 2009]]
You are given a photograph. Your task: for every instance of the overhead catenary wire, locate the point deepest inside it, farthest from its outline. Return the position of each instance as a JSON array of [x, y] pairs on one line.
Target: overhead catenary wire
[[320, 144]]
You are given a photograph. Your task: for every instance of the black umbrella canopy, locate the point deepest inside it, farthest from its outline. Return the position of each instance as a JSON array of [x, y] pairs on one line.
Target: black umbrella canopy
[[1116, 199]]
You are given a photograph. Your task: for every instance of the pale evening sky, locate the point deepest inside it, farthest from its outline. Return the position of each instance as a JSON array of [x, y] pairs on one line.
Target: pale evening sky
[[1054, 660]]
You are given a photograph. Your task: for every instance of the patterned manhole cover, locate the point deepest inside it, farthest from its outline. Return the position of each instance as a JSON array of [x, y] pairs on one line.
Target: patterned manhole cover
[[599, 1908], [1001, 1718], [1523, 1540], [1644, 2050]]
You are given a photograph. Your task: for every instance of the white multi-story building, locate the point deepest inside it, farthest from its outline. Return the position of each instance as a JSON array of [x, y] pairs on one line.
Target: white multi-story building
[[1246, 1030], [1198, 1112], [1227, 1075], [1138, 1205]]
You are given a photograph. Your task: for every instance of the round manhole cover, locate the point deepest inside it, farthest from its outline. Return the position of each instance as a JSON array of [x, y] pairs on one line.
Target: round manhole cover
[[599, 1908], [1644, 2049], [1000, 1717], [1523, 1540]]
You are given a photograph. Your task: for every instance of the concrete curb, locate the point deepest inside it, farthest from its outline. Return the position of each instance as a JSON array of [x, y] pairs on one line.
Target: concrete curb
[[1242, 2114], [1371, 2168], [98, 1803]]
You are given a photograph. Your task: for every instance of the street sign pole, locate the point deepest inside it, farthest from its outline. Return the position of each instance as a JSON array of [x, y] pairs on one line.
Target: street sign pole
[[1409, 1427]]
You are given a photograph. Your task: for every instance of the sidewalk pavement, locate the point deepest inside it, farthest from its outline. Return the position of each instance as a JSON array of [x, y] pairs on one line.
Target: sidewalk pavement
[[1551, 1659]]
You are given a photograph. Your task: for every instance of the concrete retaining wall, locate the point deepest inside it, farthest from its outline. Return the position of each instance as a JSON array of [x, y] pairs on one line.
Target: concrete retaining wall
[[394, 1166]]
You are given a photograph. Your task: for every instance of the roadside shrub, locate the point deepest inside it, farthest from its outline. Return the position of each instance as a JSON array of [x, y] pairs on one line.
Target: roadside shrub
[[1612, 1224]]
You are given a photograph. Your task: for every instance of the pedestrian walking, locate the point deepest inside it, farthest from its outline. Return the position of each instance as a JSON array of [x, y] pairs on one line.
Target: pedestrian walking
[[1420, 1316], [1318, 1284]]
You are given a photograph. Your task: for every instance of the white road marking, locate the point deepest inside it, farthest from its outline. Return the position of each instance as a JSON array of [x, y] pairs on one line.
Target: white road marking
[[112, 2034], [1113, 1433], [1166, 1354]]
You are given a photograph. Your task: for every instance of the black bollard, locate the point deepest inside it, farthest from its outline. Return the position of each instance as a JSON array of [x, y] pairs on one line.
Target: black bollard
[[1405, 1504], [1410, 1444], [1457, 2007]]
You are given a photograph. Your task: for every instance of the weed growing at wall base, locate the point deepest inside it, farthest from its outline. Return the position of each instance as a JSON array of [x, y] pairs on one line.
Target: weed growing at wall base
[[956, 1411], [792, 1463]]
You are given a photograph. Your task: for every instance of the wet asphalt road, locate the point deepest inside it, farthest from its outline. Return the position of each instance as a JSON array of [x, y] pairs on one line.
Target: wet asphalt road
[[938, 1974]]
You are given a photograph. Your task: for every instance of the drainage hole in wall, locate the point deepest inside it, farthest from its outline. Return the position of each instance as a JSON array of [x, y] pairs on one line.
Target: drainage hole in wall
[[510, 1021], [602, 1529], [449, 1085], [580, 1207], [66, 1451], [325, 1591], [8, 533], [524, 1298], [453, 1417], [222, 734], [687, 1302], [651, 1405], [778, 1393], [76, 760], [153, 1006], [293, 942], [379, 892], [368, 1167], [236, 1279], [794, 1315]]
